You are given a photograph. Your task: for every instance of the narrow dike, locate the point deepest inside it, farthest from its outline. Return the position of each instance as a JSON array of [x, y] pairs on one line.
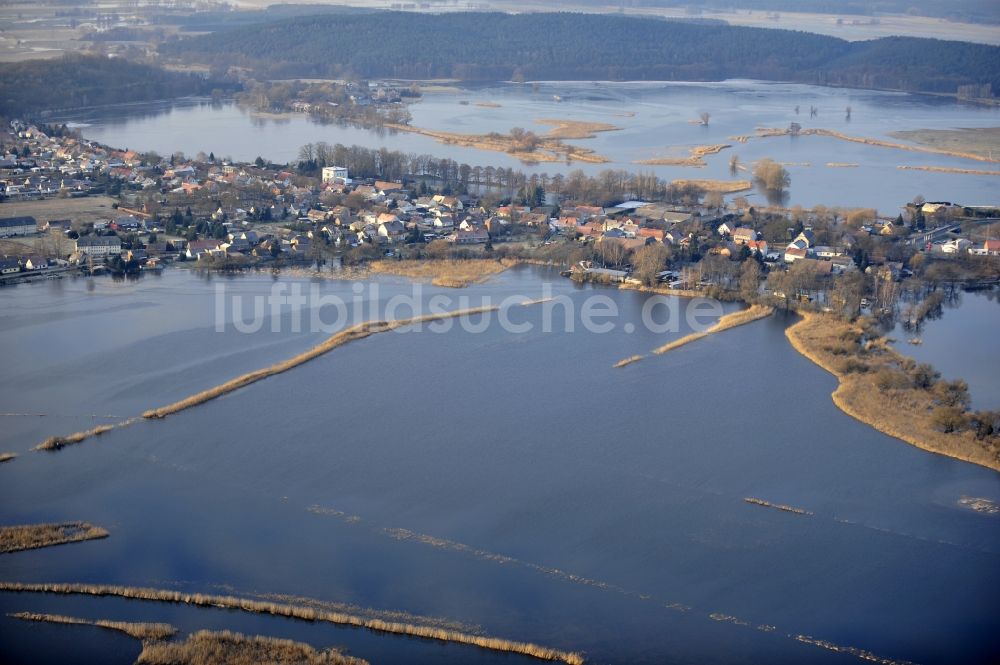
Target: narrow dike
[[304, 613]]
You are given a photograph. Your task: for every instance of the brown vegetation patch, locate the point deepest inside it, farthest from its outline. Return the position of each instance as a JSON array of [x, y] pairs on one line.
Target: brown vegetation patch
[[80, 210], [982, 141], [6, 457], [543, 149], [948, 169], [861, 654], [296, 612], [575, 129], [59, 442], [214, 647], [742, 317], [877, 391], [33, 536], [720, 186], [780, 506], [765, 132], [628, 361], [696, 156], [140, 631], [453, 273], [842, 165]]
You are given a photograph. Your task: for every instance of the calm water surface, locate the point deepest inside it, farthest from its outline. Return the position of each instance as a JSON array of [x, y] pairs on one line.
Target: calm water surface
[[526, 445], [661, 126], [961, 344]]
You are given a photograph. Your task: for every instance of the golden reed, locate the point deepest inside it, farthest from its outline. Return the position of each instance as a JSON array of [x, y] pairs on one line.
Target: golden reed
[[304, 613]]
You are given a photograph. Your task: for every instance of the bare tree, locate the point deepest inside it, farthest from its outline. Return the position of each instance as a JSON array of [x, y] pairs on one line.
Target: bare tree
[[648, 262], [734, 164], [704, 116], [771, 175], [749, 280]]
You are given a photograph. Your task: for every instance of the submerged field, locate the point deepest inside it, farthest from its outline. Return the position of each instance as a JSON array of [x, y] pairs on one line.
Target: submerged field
[[478, 481]]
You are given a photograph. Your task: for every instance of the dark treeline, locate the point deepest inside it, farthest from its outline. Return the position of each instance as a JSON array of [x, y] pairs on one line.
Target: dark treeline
[[77, 81], [970, 10], [563, 46], [607, 188]]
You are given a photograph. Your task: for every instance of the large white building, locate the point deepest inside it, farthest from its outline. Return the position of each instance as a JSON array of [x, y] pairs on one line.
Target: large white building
[[17, 226], [99, 246], [332, 174]]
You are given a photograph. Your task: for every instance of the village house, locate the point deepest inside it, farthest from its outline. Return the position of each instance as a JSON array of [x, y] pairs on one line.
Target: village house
[[473, 236], [988, 248], [391, 231], [793, 254], [758, 247], [9, 266], [726, 228], [744, 235], [199, 248], [956, 246]]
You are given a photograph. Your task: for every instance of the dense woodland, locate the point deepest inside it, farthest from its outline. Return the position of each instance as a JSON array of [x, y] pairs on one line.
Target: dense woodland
[[970, 10], [79, 81], [563, 46]]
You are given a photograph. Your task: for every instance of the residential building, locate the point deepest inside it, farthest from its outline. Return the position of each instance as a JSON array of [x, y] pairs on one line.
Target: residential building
[[17, 226], [99, 246]]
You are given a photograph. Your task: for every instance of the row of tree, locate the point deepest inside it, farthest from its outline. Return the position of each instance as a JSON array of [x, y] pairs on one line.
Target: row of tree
[[607, 187]]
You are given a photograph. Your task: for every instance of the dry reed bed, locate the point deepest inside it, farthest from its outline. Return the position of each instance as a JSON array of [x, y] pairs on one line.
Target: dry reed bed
[[628, 361], [764, 132], [548, 149], [742, 317], [948, 169], [720, 186], [370, 613], [212, 647], [359, 331], [34, 536], [59, 442], [696, 156], [780, 506], [7, 457], [662, 290], [296, 612], [901, 413], [453, 273], [854, 651], [140, 631], [575, 129]]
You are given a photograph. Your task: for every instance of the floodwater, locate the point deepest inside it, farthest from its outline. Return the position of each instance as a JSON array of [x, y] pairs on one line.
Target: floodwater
[[616, 494], [961, 343], [660, 127]]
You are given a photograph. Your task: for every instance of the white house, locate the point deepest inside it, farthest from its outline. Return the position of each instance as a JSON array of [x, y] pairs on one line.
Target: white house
[[333, 174], [956, 246], [988, 248]]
